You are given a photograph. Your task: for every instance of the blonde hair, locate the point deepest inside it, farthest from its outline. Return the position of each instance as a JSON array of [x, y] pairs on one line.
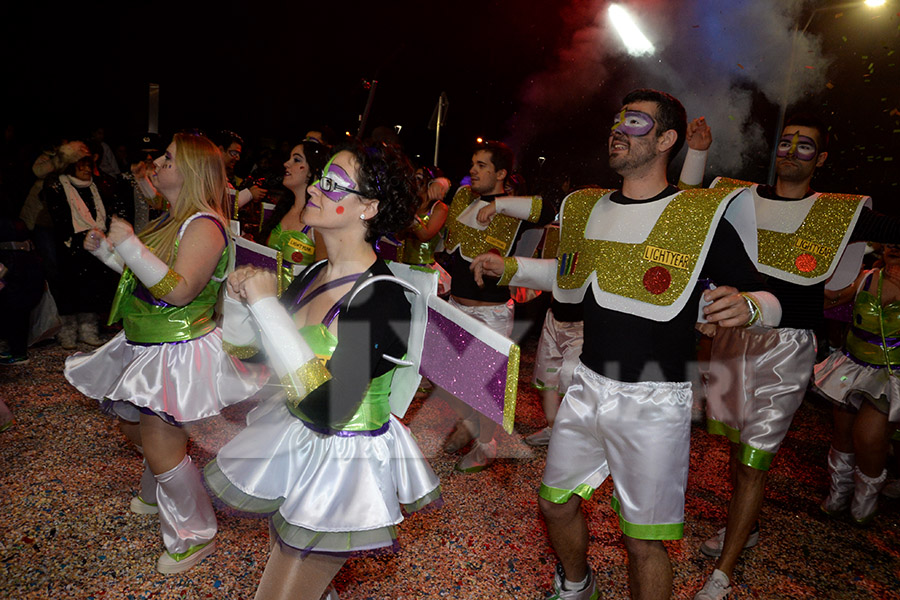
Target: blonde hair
[[201, 166]]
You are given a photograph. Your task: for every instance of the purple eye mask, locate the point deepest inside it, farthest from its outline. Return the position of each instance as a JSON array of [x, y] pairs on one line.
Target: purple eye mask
[[633, 122], [800, 146], [339, 176]]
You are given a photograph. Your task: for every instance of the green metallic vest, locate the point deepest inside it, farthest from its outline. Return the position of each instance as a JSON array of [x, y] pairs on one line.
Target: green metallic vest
[[374, 410], [873, 337], [147, 320]]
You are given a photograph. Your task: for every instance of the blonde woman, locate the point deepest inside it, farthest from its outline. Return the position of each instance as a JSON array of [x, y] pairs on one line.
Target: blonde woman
[[167, 367]]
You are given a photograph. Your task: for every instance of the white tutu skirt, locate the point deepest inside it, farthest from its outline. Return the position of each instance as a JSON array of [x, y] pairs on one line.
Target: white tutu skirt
[[844, 381], [185, 381], [328, 493]]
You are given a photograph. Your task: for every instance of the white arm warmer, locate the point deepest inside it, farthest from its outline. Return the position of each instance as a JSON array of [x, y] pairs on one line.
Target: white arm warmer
[[770, 308], [693, 168], [147, 267], [287, 350], [523, 208], [535, 273], [239, 331], [109, 257], [243, 197]]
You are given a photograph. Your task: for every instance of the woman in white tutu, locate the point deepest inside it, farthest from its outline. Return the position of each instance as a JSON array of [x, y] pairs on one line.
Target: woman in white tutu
[[326, 459], [167, 367], [863, 381]]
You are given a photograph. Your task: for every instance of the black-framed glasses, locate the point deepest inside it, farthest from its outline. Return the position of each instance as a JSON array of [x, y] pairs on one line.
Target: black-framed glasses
[[328, 185]]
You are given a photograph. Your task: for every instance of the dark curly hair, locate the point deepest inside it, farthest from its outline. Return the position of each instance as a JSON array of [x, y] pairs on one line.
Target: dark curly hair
[[386, 175], [317, 155]]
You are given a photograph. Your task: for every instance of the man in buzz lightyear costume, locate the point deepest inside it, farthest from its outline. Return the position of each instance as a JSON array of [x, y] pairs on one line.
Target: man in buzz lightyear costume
[[758, 379], [483, 217], [634, 258]]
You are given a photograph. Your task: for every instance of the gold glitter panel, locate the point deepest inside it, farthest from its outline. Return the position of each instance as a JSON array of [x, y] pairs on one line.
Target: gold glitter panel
[[240, 352], [510, 267], [310, 376], [810, 251], [499, 235], [730, 184], [536, 205], [551, 242], [512, 386], [165, 285], [625, 269]]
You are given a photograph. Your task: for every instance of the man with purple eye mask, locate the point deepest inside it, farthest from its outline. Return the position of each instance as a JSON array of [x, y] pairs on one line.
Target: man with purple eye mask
[[758, 378]]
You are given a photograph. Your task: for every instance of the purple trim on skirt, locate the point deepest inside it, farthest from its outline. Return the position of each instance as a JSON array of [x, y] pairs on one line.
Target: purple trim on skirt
[[341, 433], [863, 363]]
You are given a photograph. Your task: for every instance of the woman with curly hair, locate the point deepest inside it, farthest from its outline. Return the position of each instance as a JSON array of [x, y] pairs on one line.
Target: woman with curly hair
[[167, 367], [327, 460], [285, 230]]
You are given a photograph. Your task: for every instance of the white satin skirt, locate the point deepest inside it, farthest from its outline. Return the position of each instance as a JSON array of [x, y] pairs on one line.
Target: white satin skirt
[[184, 381], [328, 493], [844, 381], [637, 432], [757, 380]]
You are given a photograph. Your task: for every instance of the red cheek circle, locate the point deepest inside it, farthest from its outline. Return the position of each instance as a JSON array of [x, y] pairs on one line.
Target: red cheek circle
[[339, 210]]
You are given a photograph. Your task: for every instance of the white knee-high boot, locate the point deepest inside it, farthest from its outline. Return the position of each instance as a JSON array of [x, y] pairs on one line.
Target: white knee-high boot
[[865, 496], [186, 517], [840, 471]]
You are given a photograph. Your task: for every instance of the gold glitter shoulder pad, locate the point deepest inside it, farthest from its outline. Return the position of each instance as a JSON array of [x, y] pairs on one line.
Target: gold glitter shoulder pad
[[813, 251], [652, 279], [499, 234]]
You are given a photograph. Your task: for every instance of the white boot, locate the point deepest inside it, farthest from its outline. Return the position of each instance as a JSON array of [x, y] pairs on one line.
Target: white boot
[[840, 471], [186, 518], [865, 496], [68, 333], [87, 329], [145, 502]]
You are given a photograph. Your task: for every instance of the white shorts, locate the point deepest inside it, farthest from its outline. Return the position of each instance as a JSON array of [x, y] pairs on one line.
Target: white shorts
[[757, 380], [637, 432], [498, 317], [557, 353]]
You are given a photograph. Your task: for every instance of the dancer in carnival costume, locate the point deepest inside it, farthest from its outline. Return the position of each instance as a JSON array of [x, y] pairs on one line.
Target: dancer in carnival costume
[[167, 367], [757, 379], [326, 459], [862, 380], [284, 229], [634, 258]]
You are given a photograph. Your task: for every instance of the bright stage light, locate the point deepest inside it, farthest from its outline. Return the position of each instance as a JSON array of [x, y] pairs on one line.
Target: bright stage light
[[635, 41], [874, 3]]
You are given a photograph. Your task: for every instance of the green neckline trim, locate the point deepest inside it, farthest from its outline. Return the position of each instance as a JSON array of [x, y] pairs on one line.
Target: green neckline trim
[[561, 496], [662, 531], [754, 458]]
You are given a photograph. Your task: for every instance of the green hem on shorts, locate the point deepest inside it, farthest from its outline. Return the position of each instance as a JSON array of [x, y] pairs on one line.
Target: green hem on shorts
[[561, 496], [754, 458], [663, 531], [541, 386]]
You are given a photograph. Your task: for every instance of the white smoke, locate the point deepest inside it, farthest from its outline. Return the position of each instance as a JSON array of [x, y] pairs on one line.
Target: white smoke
[[711, 55]]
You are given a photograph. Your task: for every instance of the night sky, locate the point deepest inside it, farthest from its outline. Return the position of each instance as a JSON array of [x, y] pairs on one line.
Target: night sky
[[546, 76]]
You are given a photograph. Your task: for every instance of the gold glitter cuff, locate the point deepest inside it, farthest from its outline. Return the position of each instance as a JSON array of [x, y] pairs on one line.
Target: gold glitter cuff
[[165, 285], [240, 352], [536, 205], [310, 376], [755, 310], [510, 268]]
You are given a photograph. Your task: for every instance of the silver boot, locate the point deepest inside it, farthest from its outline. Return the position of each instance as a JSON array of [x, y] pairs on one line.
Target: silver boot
[[840, 471], [865, 496], [186, 518]]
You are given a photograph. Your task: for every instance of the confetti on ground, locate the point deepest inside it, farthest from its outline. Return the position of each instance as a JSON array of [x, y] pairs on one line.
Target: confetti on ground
[[68, 476]]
